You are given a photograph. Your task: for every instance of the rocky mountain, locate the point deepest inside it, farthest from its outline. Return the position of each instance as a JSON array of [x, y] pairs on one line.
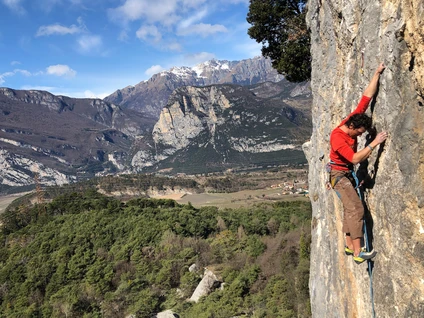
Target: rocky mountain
[[202, 128], [149, 97], [218, 126], [60, 137], [349, 39]]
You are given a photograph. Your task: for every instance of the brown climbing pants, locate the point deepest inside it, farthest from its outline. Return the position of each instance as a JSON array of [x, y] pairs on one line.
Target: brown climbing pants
[[353, 209]]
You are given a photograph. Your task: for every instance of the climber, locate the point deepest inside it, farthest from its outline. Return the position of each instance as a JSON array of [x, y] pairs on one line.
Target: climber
[[343, 156]]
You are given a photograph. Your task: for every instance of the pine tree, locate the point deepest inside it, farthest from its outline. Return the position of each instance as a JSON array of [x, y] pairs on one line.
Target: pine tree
[[281, 28]]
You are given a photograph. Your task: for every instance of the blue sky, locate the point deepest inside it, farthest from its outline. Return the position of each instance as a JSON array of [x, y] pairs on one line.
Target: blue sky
[[90, 48]]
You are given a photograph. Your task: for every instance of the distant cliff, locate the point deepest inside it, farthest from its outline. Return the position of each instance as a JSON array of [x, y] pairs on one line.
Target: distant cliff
[[349, 39], [60, 137], [225, 126]]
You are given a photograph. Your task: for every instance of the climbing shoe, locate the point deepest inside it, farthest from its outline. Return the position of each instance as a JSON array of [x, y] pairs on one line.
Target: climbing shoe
[[348, 251], [363, 256]]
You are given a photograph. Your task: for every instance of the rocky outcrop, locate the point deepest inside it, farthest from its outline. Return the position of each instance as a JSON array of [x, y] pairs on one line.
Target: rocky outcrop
[[17, 171], [167, 314], [190, 111], [149, 97], [349, 39], [206, 285]]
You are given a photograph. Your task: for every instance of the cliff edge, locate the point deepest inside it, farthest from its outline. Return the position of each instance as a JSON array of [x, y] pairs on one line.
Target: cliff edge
[[349, 39]]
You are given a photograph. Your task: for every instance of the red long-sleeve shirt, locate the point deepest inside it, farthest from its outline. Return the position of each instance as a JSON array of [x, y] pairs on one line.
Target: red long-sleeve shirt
[[343, 147]]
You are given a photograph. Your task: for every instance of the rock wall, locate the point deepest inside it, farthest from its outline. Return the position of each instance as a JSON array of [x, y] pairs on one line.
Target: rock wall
[[190, 110], [349, 39]]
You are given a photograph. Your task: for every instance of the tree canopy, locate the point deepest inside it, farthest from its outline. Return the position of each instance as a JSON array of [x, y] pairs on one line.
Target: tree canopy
[[87, 255], [281, 28]]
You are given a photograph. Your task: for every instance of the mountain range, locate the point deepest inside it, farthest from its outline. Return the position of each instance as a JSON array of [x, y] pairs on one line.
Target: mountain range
[[181, 120], [149, 97]]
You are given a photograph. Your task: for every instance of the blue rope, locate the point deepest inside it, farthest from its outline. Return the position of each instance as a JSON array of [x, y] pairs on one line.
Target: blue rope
[[370, 273]]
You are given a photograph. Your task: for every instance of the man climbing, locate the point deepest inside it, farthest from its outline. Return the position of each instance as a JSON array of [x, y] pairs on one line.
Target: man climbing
[[343, 156]]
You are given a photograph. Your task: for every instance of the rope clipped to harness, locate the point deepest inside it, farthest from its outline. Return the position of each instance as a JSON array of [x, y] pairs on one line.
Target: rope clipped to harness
[[367, 245], [330, 184]]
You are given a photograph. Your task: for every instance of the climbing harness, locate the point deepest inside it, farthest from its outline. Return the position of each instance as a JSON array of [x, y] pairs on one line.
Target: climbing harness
[[351, 175], [331, 183]]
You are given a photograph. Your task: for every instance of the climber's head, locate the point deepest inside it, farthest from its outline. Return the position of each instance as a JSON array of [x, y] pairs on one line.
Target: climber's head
[[358, 124]]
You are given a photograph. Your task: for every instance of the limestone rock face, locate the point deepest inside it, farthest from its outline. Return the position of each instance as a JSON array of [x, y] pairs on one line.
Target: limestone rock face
[[349, 39], [14, 171], [190, 110]]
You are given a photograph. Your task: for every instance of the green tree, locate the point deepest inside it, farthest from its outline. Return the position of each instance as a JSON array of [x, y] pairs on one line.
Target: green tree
[[280, 26]]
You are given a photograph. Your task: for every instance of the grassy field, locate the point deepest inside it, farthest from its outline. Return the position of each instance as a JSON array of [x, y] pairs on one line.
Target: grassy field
[[231, 190], [238, 199], [222, 200], [7, 199]]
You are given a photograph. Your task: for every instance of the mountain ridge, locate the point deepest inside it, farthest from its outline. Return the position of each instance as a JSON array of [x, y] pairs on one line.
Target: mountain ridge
[[149, 97]]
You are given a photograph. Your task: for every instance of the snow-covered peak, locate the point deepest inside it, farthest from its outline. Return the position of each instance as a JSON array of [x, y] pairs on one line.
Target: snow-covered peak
[[182, 71], [212, 65]]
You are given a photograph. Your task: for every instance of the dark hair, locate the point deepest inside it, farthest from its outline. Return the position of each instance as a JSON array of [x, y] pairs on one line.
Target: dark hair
[[359, 120]]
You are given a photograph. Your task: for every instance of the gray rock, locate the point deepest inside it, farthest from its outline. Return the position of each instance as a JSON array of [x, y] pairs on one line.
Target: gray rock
[[166, 314], [205, 286], [193, 268], [384, 31]]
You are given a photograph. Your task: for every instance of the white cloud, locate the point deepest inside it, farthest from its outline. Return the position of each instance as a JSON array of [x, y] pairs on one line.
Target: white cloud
[[252, 48], [199, 15], [202, 29], [237, 1], [57, 29], [15, 63], [149, 33], [61, 70], [194, 59], [90, 94], [47, 5], [190, 25], [13, 73], [38, 88], [192, 3], [123, 36], [173, 46], [89, 43], [163, 11], [14, 5], [154, 70], [23, 72], [79, 94]]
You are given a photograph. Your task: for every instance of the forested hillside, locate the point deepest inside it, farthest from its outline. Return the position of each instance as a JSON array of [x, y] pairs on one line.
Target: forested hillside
[[87, 255]]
